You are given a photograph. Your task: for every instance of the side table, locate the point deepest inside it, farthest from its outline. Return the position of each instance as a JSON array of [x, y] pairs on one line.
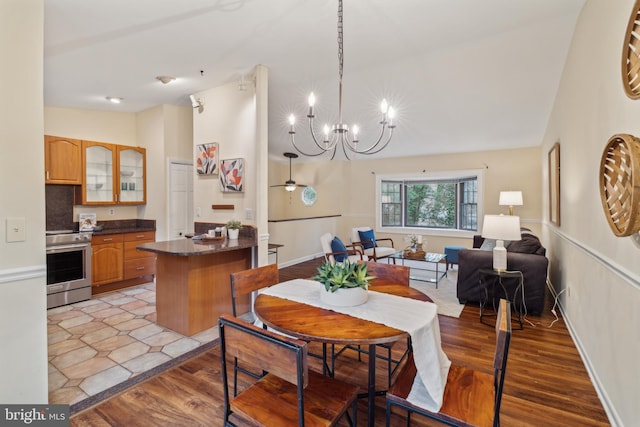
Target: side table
[[502, 284]]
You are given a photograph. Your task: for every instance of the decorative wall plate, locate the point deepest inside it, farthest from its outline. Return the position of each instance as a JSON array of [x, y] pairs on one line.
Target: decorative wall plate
[[620, 184], [309, 196], [631, 54]]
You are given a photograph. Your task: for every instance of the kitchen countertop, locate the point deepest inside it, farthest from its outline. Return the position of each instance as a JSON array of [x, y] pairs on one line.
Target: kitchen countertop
[[190, 247], [122, 230]]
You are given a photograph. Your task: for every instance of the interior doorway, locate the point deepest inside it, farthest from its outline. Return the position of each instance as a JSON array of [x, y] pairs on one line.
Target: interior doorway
[[180, 198]]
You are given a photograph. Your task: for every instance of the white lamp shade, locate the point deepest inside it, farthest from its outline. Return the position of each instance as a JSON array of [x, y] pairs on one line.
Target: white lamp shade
[[501, 228], [510, 198]]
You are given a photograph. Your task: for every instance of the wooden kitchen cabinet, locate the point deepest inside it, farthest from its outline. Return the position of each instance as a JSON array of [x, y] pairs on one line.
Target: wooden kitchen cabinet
[[116, 262], [107, 259], [132, 175], [113, 174], [138, 263], [62, 160], [99, 185]]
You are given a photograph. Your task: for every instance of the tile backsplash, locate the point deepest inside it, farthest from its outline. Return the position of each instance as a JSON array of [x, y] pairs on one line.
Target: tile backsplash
[[59, 207]]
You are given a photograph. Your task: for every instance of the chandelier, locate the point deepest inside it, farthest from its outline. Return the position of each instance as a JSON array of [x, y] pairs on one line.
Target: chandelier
[[340, 134]]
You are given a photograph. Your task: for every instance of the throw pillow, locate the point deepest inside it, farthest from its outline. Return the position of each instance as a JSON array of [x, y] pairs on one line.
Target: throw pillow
[[367, 238], [529, 244], [488, 245], [338, 246]]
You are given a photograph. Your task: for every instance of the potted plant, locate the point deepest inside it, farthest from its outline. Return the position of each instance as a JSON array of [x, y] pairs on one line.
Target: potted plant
[[233, 229], [414, 241], [345, 283]]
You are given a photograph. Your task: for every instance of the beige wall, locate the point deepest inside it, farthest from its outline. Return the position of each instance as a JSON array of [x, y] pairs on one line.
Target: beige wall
[[598, 272], [237, 122], [348, 189], [23, 321], [166, 132]]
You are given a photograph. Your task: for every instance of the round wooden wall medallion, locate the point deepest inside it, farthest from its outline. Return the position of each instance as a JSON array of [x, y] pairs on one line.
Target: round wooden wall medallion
[[620, 184], [631, 55]]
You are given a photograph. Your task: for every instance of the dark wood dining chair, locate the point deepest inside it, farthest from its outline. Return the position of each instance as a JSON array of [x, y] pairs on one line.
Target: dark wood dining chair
[[289, 394], [388, 273], [244, 283], [471, 398]]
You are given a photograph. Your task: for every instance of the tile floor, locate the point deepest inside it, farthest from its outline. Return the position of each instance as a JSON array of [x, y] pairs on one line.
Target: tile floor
[[96, 344]]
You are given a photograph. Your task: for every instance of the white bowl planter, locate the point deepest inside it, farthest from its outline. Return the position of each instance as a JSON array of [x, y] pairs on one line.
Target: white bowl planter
[[233, 233], [344, 297]]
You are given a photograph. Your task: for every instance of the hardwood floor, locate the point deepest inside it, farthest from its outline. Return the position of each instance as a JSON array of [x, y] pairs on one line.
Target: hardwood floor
[[546, 382]]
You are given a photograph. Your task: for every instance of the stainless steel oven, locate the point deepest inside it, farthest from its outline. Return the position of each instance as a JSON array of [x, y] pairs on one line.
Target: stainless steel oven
[[68, 267]]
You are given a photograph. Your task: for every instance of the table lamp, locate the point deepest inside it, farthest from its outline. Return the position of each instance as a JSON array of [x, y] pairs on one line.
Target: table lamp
[[511, 199], [501, 228]]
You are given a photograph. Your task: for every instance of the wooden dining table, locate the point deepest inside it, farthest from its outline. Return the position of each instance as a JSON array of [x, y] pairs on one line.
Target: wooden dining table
[[311, 323]]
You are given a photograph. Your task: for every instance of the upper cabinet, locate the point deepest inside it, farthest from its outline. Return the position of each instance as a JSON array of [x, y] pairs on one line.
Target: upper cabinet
[[113, 174], [99, 183], [132, 175], [62, 160]]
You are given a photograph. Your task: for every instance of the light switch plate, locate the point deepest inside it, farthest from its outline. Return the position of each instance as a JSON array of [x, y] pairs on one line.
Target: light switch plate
[[16, 230]]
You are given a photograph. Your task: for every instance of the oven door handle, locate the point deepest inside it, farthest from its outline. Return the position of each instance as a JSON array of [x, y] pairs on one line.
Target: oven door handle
[[66, 248]]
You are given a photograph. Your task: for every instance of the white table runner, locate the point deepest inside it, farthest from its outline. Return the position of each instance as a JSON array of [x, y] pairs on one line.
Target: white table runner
[[418, 318]]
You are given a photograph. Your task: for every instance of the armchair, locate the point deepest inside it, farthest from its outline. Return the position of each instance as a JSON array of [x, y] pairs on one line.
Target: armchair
[[351, 252], [365, 238]]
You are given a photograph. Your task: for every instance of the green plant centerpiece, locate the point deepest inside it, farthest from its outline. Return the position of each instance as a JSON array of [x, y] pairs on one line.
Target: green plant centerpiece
[[345, 283], [234, 224], [233, 229]]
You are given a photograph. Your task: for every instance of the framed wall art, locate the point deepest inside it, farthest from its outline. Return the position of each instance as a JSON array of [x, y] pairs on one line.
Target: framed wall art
[[207, 156], [554, 184], [232, 175]]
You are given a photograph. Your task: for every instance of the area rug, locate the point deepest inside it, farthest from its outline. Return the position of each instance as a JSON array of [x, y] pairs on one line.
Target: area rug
[[445, 295]]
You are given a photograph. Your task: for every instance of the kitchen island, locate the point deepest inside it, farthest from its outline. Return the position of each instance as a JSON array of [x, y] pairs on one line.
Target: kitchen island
[[192, 280]]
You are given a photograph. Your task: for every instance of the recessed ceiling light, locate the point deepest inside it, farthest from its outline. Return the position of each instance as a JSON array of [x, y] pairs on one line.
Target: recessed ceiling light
[[165, 79], [114, 99]]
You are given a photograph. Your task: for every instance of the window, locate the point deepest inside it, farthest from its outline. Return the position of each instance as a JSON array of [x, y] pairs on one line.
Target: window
[[443, 201]]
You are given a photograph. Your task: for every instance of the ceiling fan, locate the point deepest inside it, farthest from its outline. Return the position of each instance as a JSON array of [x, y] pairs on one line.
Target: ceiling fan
[[290, 184]]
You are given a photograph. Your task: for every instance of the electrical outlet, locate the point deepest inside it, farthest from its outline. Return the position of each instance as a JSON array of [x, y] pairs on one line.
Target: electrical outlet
[[248, 213], [112, 211]]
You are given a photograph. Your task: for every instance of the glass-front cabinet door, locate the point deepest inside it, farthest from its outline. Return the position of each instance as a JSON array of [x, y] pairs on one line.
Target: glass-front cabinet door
[[99, 179], [131, 176]]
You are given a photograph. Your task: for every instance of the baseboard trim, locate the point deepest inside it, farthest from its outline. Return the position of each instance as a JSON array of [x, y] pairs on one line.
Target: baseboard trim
[[612, 414], [299, 260]]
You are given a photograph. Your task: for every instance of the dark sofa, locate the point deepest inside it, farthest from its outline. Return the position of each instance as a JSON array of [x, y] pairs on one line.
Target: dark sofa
[[526, 255]]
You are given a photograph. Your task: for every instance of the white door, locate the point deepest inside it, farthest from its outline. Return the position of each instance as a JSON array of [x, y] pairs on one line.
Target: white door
[[180, 199]]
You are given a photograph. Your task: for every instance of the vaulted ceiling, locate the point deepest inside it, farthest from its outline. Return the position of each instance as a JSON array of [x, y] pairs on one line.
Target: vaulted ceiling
[[463, 75]]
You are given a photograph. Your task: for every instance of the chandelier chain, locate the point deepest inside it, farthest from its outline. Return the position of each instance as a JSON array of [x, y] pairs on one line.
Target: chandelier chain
[[340, 40]]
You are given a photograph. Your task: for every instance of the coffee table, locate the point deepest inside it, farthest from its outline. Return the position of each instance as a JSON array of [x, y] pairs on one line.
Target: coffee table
[[429, 258]]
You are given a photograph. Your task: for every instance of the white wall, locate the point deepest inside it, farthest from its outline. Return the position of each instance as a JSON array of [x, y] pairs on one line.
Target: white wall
[[23, 321], [166, 132], [229, 118], [598, 271], [237, 122]]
